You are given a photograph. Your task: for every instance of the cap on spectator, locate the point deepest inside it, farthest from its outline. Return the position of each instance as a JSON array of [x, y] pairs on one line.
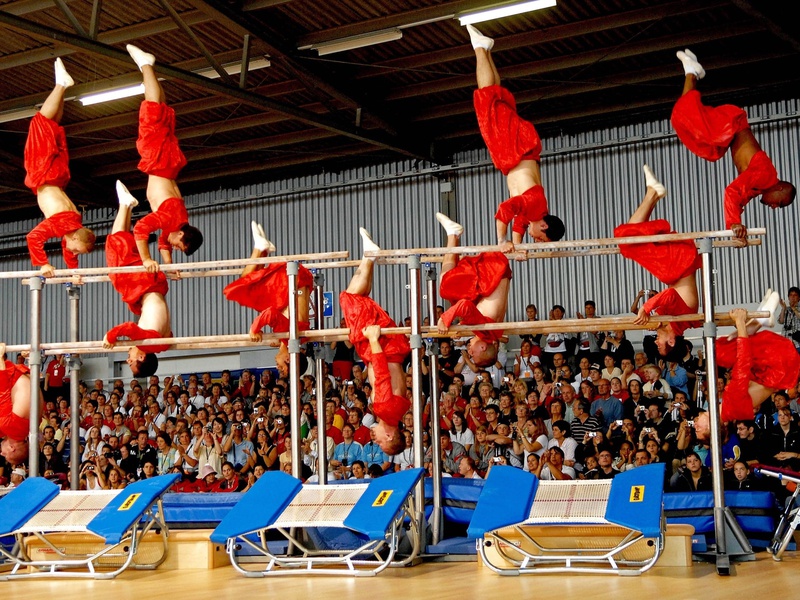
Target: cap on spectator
[[19, 471], [594, 367], [206, 471]]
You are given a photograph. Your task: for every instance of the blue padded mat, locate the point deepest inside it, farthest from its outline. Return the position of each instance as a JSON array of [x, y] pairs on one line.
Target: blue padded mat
[[19, 505]]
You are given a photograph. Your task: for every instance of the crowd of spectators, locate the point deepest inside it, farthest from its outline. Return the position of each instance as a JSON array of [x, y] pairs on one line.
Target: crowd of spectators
[[565, 406]]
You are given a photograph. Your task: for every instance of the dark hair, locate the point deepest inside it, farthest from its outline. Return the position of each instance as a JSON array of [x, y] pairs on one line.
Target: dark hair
[[555, 228], [166, 437], [563, 426], [590, 303], [375, 470], [146, 367], [794, 289], [192, 238], [678, 351]]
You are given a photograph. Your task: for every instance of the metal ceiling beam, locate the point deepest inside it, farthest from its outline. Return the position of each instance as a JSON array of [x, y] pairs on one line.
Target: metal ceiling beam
[[116, 36], [280, 53], [572, 61], [760, 11], [542, 36], [414, 148]]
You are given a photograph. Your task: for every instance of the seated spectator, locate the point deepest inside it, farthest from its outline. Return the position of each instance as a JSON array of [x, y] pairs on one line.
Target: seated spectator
[[451, 454], [359, 471], [617, 345], [230, 482], [466, 468], [656, 387], [531, 438], [694, 477], [166, 455], [742, 479], [525, 361], [624, 460], [605, 468], [562, 439], [610, 369], [606, 407], [374, 455], [346, 452], [641, 458], [482, 450], [677, 377], [541, 382], [459, 432], [783, 442], [405, 460], [237, 448], [552, 467], [583, 421]]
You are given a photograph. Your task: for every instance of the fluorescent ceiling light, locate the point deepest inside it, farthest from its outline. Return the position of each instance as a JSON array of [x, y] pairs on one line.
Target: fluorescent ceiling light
[[504, 11], [235, 68], [356, 41], [115, 94], [16, 115]]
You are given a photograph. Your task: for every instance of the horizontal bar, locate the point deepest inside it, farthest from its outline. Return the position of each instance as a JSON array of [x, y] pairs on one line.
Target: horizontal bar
[[568, 244], [211, 264], [234, 340]]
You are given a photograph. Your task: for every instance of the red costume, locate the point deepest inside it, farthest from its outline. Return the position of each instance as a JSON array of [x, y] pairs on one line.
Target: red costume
[[669, 262], [47, 163], [133, 332], [121, 252], [708, 132], [766, 358], [267, 291], [473, 278], [510, 140], [11, 425], [160, 156], [359, 312]]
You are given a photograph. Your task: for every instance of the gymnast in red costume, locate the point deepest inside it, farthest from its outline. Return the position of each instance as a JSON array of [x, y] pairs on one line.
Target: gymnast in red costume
[[47, 174], [142, 292], [383, 354], [709, 132], [477, 288], [672, 263], [162, 160], [515, 147], [15, 409], [762, 363], [265, 288]]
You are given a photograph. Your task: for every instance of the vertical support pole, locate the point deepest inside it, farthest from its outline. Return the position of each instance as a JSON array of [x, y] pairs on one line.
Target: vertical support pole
[[322, 446], [74, 362], [292, 269], [726, 528], [436, 515], [35, 363], [415, 342]]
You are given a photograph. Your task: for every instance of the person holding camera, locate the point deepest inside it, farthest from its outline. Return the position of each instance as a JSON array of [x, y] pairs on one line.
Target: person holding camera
[[208, 449], [552, 467], [346, 453]]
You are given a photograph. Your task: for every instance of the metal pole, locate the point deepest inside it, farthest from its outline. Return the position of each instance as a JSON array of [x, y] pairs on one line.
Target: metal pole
[[724, 522], [35, 363], [322, 442], [294, 368], [437, 520], [415, 342], [74, 361]]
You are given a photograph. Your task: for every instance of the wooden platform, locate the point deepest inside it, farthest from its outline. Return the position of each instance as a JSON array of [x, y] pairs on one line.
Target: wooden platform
[[443, 581]]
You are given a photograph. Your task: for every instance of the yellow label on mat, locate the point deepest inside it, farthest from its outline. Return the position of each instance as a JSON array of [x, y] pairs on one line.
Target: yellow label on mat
[[382, 498], [637, 493], [129, 501]]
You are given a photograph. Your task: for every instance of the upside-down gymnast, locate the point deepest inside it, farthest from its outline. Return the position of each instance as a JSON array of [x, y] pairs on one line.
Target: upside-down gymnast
[[47, 174], [162, 160], [15, 409], [709, 132], [142, 292], [515, 147], [477, 287], [383, 354]]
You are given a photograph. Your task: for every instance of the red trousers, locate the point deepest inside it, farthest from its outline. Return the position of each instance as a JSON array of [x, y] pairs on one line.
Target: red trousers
[[267, 287], [509, 138], [706, 131], [666, 261], [46, 154], [11, 425], [121, 251], [474, 277], [360, 311], [158, 147]]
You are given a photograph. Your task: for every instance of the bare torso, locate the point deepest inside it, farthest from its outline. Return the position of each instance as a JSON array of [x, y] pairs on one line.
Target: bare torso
[[52, 200], [155, 314], [494, 306], [160, 189], [687, 290], [523, 177], [302, 305], [743, 148]]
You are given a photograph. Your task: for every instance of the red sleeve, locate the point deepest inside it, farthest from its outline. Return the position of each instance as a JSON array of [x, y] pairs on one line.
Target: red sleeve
[[470, 315], [383, 379], [665, 302], [133, 332], [148, 224], [56, 226], [509, 210], [735, 201]]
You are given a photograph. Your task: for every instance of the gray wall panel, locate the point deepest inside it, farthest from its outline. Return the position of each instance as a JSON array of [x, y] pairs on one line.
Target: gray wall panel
[[593, 181]]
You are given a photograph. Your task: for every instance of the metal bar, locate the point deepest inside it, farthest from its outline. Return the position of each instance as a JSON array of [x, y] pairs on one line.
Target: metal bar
[[322, 444], [76, 25], [416, 378], [232, 340], [74, 361], [292, 269], [35, 362], [179, 267], [245, 61], [94, 22], [436, 516]]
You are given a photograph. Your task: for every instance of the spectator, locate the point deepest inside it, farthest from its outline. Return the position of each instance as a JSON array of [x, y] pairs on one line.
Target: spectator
[[405, 460], [584, 421], [694, 477], [451, 454], [374, 454], [525, 361], [482, 450], [617, 345], [742, 479], [588, 345], [466, 468], [230, 482], [552, 466], [459, 432], [207, 479], [610, 369], [783, 442], [605, 468], [447, 363], [563, 439], [790, 316], [655, 386], [346, 452], [166, 455], [606, 407]]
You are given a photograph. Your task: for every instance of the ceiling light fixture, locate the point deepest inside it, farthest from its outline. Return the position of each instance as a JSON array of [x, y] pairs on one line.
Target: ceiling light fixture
[[235, 68], [507, 10], [356, 41], [113, 94]]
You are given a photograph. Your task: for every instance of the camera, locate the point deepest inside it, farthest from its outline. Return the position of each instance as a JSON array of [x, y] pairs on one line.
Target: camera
[[497, 460], [479, 378], [557, 384], [347, 382], [700, 373], [345, 461], [618, 422], [237, 426], [260, 420], [208, 427], [592, 434], [690, 423], [90, 468], [648, 430], [676, 405], [279, 421], [506, 379]]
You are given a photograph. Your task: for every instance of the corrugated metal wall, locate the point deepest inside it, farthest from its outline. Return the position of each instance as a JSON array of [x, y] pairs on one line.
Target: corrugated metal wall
[[593, 181]]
